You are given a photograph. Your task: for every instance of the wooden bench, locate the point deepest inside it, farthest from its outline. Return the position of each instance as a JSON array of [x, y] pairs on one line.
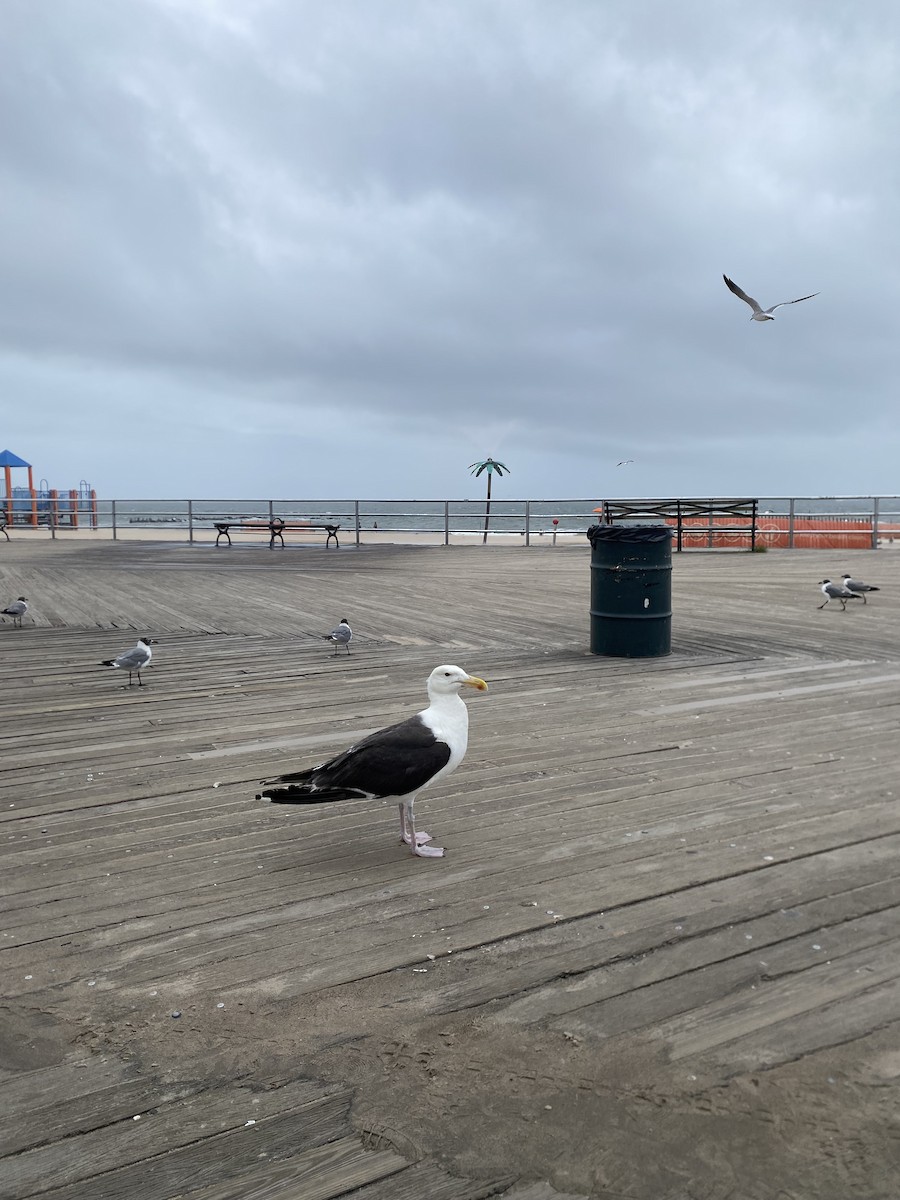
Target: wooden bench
[[275, 528]]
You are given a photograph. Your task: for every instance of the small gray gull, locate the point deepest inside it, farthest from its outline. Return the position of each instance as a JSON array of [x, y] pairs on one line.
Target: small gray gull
[[760, 313], [394, 763], [858, 588], [837, 591], [624, 462], [17, 611], [341, 635], [133, 661]]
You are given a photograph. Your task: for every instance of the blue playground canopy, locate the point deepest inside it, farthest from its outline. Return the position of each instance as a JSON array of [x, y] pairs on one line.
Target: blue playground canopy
[[8, 459]]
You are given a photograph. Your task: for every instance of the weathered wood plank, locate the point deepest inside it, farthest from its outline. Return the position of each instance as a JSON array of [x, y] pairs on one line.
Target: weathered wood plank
[[188, 1140]]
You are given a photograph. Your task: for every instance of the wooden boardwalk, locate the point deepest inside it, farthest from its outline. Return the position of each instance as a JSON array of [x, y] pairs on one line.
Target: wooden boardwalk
[[660, 959]]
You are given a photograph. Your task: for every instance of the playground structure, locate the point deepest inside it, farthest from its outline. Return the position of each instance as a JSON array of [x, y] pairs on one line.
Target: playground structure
[[27, 505]]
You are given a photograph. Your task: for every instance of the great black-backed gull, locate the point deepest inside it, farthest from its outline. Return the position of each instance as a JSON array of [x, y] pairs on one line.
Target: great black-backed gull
[[341, 635], [858, 587], [17, 611], [760, 313], [394, 763], [133, 661], [836, 591]]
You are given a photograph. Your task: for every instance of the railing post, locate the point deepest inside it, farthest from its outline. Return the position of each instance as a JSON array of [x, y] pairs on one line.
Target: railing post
[[190, 522], [791, 512], [356, 515], [446, 522], [114, 520], [527, 522], [271, 510], [875, 513]]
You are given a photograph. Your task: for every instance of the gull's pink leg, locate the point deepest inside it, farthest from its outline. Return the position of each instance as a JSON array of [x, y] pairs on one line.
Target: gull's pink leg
[[421, 838], [417, 846]]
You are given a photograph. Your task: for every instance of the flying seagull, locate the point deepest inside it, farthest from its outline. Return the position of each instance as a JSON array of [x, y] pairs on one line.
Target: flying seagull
[[837, 591], [17, 611], [341, 635], [133, 661], [624, 462], [760, 313], [858, 588], [395, 763]]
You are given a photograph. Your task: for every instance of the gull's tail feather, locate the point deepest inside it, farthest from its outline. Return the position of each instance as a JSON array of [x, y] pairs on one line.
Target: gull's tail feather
[[108, 662], [304, 794]]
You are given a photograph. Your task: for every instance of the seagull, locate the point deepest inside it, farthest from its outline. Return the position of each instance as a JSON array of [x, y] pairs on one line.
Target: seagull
[[341, 635], [858, 588], [134, 660], [837, 591], [17, 611], [624, 462], [396, 762], [760, 313]]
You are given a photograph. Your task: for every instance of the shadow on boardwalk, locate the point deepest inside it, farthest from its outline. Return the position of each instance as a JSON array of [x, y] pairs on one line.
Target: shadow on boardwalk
[[660, 960]]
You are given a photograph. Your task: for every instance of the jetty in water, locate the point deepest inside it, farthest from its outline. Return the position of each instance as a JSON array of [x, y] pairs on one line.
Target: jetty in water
[[660, 959]]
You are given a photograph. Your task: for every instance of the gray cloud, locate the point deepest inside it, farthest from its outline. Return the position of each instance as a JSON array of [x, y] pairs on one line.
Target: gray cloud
[[449, 229]]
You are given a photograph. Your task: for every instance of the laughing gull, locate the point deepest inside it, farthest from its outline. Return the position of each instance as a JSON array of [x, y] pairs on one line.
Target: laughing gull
[[133, 661], [836, 591], [341, 635], [624, 462], [396, 762], [17, 611], [760, 313], [858, 587]]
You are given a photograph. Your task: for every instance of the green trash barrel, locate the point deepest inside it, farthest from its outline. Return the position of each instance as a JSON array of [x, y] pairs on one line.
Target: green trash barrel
[[631, 590]]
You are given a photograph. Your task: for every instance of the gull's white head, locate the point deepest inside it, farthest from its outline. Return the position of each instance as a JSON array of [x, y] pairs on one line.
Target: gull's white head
[[447, 680]]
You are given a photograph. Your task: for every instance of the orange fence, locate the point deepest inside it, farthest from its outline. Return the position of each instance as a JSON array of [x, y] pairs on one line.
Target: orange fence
[[826, 531]]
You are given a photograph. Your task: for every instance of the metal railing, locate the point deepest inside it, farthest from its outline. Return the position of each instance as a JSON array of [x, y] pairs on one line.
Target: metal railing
[[846, 522]]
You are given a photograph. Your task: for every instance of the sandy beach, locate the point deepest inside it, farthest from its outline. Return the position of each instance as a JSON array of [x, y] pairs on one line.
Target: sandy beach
[[293, 538]]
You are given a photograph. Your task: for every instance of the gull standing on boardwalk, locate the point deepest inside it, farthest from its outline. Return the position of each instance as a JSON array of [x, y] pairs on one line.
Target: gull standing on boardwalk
[[837, 591], [341, 635], [395, 763], [858, 588], [134, 660], [760, 313], [17, 611]]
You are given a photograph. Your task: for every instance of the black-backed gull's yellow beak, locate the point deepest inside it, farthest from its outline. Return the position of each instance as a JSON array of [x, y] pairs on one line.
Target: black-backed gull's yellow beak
[[474, 682]]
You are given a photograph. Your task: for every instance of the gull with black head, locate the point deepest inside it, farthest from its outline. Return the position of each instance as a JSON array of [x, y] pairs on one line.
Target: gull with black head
[[836, 591], [858, 588], [341, 635], [17, 611], [134, 660]]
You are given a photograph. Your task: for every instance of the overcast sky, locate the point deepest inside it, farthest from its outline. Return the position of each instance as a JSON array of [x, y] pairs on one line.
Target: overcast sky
[[309, 249]]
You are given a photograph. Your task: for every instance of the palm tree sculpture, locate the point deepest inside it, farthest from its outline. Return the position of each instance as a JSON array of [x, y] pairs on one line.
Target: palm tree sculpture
[[490, 466]]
